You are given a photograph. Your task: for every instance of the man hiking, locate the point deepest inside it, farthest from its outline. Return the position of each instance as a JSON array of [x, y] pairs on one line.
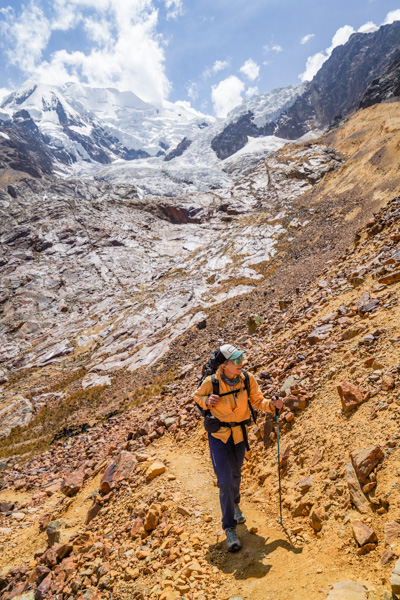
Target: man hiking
[[227, 416]]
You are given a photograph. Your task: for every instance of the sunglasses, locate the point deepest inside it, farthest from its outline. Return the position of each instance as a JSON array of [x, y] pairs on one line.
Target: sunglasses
[[237, 361]]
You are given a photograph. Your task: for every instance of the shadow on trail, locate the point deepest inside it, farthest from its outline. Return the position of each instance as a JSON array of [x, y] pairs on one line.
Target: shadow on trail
[[249, 561]]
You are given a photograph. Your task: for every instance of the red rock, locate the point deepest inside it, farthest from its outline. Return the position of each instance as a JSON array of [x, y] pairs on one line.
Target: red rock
[[73, 483], [157, 468], [317, 516], [368, 487], [43, 588], [17, 591], [356, 495], [137, 527], [122, 468], [365, 549], [63, 550], [289, 417], [350, 395], [362, 533], [317, 457], [92, 512], [107, 480], [303, 508], [387, 383], [387, 556], [152, 518], [391, 278], [392, 533], [365, 460], [5, 507], [305, 483]]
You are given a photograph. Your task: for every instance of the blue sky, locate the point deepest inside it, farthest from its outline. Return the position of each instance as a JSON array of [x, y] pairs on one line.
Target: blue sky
[[211, 53]]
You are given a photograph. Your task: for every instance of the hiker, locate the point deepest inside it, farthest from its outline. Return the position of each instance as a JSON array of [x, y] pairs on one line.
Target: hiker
[[227, 415]]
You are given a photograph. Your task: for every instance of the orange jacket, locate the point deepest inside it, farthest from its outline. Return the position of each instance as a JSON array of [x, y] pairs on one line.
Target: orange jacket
[[233, 407]]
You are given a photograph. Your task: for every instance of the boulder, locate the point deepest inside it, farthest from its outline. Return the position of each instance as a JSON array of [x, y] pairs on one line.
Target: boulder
[[392, 533], [53, 532], [122, 468], [365, 460], [317, 516], [387, 383], [157, 468], [6, 507], [347, 590], [73, 483], [362, 533], [395, 579], [306, 483], [152, 517], [350, 395], [356, 495], [391, 278]]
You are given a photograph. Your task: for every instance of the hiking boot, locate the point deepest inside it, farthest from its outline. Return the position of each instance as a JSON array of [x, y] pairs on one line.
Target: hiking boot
[[239, 516], [232, 540]]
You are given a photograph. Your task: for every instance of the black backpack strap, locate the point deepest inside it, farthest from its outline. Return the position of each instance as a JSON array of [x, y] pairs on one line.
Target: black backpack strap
[[215, 385], [247, 386]]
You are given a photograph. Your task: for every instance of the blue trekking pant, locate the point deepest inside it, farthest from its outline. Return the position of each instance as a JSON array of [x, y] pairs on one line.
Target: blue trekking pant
[[227, 460]]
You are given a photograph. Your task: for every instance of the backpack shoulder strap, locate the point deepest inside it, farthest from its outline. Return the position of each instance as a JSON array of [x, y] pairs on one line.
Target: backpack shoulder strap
[[246, 382], [215, 385], [247, 387]]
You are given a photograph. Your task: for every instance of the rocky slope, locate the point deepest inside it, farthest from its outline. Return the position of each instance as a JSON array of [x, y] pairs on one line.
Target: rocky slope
[[127, 506], [99, 378]]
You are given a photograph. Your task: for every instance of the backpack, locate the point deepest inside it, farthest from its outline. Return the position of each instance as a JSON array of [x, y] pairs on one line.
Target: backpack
[[211, 423]]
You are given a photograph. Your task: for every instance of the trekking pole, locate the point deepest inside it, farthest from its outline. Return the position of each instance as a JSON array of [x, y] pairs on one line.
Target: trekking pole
[[279, 461]]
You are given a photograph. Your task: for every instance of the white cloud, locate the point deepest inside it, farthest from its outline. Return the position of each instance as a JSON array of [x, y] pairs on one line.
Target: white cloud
[[250, 69], [391, 17], [369, 27], [125, 49], [341, 37], [4, 92], [251, 91], [226, 95], [27, 36], [174, 8], [313, 65], [276, 48], [315, 62], [193, 90], [218, 66], [307, 38]]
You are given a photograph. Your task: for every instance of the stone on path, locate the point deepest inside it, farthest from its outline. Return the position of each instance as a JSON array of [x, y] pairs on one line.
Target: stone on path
[[392, 533], [155, 469], [356, 495], [365, 460], [395, 578], [362, 533], [350, 395], [347, 590]]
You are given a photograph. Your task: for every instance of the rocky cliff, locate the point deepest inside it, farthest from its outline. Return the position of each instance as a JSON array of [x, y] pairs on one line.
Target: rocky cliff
[[336, 90]]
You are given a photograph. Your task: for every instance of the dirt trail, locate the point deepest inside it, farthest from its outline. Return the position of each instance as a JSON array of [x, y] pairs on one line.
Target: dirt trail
[[269, 566]]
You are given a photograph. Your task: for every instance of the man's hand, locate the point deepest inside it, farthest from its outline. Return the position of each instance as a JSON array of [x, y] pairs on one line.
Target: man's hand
[[212, 400], [277, 402]]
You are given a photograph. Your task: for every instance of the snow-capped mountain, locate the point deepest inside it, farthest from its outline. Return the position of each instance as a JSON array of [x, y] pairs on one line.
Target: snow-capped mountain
[[166, 150], [101, 125]]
